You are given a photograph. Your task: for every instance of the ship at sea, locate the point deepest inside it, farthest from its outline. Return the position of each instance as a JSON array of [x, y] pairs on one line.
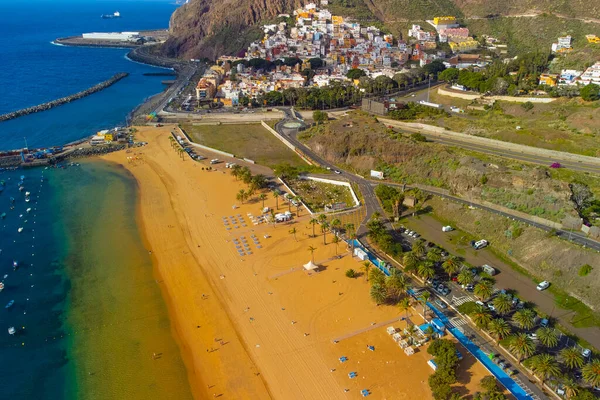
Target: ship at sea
[[116, 14]]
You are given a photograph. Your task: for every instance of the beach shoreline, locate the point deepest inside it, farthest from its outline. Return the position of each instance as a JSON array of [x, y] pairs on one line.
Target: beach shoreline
[[231, 315]]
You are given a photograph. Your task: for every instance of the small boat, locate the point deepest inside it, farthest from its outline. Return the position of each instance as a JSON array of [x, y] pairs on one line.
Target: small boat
[[26, 199], [1, 286], [5, 276], [15, 265], [20, 215], [11, 330], [21, 188], [12, 199], [3, 215], [27, 193], [20, 230], [29, 210], [10, 304]]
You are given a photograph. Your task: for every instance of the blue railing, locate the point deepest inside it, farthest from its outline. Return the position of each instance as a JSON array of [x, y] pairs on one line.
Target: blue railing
[[374, 260]]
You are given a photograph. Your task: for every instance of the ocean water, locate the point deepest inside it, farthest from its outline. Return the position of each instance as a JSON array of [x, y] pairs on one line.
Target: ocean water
[[35, 71], [88, 310]]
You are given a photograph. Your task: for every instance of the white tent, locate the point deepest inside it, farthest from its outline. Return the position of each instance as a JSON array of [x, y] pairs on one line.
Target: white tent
[[309, 266]]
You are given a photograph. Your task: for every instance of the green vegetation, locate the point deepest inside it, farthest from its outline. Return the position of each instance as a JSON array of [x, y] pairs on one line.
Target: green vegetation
[[411, 111], [249, 141], [382, 238], [320, 116], [444, 355], [318, 195], [391, 199], [590, 92], [350, 273], [585, 270]]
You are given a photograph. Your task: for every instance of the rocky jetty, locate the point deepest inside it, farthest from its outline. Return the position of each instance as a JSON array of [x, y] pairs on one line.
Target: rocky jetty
[[64, 100]]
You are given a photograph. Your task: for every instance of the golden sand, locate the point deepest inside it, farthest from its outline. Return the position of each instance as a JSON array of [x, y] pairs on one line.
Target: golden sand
[[258, 326]]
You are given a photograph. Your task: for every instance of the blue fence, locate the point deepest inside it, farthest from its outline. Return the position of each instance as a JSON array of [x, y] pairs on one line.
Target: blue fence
[[376, 261]]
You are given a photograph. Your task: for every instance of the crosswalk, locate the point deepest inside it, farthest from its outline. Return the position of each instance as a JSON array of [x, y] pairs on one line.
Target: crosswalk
[[526, 388], [457, 301], [457, 322]]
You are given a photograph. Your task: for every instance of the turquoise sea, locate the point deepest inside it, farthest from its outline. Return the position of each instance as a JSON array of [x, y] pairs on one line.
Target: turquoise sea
[[88, 311]]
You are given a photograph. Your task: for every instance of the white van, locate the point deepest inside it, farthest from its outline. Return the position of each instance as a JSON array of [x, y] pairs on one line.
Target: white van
[[447, 228], [489, 269], [480, 244], [214, 161]]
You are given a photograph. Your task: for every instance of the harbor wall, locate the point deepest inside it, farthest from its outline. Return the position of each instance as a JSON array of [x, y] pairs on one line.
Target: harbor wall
[[64, 100]]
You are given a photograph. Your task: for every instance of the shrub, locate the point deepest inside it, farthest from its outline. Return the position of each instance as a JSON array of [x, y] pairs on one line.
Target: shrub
[[417, 137], [590, 92], [483, 179], [467, 308], [351, 273], [527, 106], [320, 116], [585, 270]]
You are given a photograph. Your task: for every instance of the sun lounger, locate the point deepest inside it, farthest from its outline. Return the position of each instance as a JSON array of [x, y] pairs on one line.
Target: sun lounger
[[352, 375], [343, 359], [364, 393]]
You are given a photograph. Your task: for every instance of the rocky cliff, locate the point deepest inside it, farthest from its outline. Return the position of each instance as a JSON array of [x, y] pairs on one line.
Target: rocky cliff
[[210, 28]]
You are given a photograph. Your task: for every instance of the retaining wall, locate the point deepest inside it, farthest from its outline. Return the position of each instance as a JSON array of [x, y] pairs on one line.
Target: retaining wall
[[200, 146], [285, 141], [469, 96], [339, 183]]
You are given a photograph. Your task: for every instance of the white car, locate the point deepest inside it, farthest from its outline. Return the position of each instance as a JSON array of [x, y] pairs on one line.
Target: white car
[[447, 228], [586, 353], [480, 244], [543, 285]]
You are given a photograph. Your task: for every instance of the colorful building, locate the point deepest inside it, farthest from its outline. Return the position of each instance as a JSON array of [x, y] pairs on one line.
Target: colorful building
[[593, 39], [548, 79], [465, 45]]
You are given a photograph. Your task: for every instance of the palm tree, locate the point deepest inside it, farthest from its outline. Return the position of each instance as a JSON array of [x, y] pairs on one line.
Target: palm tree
[[465, 277], [547, 336], [499, 328], [434, 255], [312, 253], [571, 387], [335, 241], [378, 293], [367, 266], [299, 205], [276, 196], [376, 216], [293, 232], [324, 227], [525, 318], [481, 316], [235, 171], [262, 197], [349, 228], [483, 289], [335, 224], [521, 346], [591, 372], [451, 266], [313, 222], [423, 300], [241, 195], [404, 305], [426, 269], [572, 357], [544, 366], [396, 284], [418, 248], [410, 260], [377, 277], [502, 303]]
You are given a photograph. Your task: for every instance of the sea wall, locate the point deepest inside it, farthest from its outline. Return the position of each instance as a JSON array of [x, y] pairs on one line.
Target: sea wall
[[64, 100]]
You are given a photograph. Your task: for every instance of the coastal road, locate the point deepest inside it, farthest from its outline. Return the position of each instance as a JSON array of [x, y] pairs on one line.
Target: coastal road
[[183, 77]]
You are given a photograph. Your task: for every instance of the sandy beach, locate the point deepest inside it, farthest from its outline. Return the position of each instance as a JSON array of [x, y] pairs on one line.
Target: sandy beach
[[257, 326]]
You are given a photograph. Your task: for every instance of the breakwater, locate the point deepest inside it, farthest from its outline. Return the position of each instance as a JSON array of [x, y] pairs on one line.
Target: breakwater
[[64, 100]]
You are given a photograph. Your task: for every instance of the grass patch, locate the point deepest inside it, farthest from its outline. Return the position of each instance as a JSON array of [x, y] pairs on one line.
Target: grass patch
[[316, 195], [249, 141]]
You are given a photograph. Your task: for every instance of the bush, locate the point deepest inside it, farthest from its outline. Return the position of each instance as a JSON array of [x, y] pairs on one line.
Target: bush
[[417, 137], [585, 270], [320, 116], [590, 92], [483, 179], [527, 106], [351, 273], [467, 308]]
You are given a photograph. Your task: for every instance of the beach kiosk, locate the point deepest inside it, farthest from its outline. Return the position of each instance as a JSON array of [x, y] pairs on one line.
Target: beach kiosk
[[310, 266]]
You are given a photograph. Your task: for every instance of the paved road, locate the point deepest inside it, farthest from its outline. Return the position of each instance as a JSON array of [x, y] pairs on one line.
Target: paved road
[[183, 77]]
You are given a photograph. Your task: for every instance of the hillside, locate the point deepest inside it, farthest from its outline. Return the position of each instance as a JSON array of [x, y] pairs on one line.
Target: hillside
[[209, 28]]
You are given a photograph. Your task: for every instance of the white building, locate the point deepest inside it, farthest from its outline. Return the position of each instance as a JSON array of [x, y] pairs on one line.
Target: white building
[[591, 75]]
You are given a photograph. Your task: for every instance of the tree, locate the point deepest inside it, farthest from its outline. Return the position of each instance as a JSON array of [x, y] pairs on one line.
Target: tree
[[335, 241], [544, 366], [571, 387], [312, 253], [434, 255], [313, 222], [591, 372], [410, 261], [355, 73], [426, 270], [377, 277], [276, 196], [378, 293], [449, 75], [434, 68], [404, 305], [499, 328], [367, 266], [527, 106], [502, 303], [547, 336], [324, 227], [590, 92], [572, 357], [423, 300], [483, 289], [418, 248], [521, 346], [293, 232], [525, 318], [235, 171], [350, 273], [335, 224], [481, 316], [451, 266], [320, 116], [397, 284], [262, 197], [241, 195], [581, 195], [465, 277]]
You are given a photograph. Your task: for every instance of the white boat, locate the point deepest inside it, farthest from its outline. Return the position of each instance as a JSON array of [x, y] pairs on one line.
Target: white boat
[[1, 286], [11, 330], [29, 209], [15, 265], [27, 194], [21, 188], [27, 199], [20, 230]]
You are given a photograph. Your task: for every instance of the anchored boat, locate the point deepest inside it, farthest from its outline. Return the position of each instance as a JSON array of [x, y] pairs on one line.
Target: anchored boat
[[10, 304], [11, 330]]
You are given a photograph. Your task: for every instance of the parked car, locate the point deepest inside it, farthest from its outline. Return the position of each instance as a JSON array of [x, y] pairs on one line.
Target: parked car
[[586, 353], [440, 303], [447, 228], [543, 285], [491, 307], [337, 172], [532, 335], [445, 291], [544, 322], [480, 244], [469, 288], [489, 269]]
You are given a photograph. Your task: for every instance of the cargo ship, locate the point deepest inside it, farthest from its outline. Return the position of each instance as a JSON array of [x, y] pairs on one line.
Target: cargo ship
[[116, 14]]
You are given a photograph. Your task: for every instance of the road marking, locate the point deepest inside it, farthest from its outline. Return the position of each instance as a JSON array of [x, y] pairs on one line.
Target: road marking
[[457, 301]]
